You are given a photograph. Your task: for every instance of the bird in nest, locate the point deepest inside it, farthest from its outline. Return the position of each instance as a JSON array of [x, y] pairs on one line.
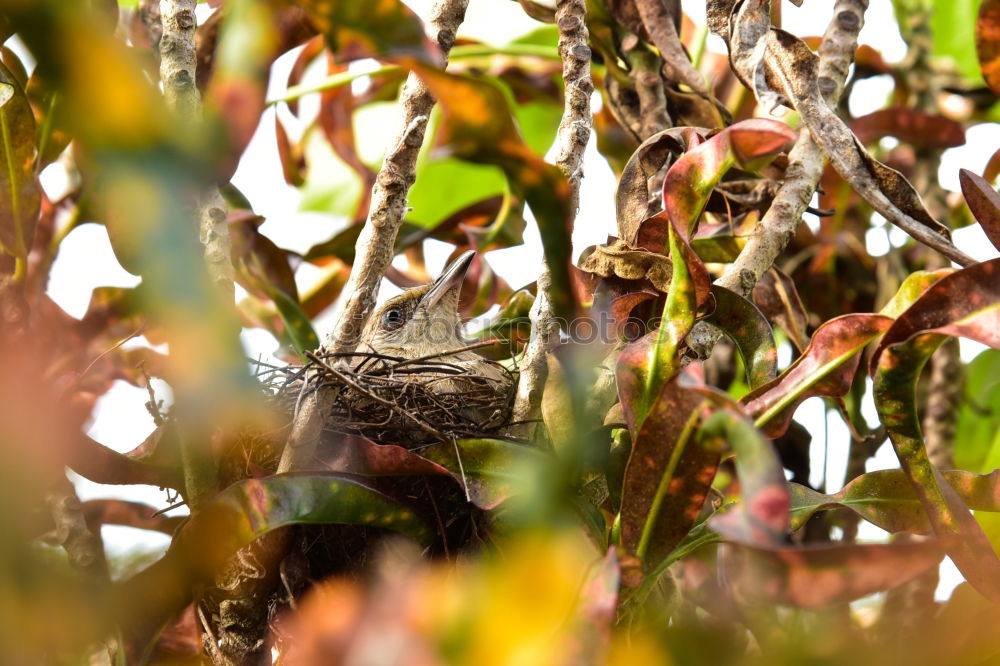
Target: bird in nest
[[417, 338]]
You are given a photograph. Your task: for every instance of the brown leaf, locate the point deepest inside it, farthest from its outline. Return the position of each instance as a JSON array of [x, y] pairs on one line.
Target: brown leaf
[[984, 202], [619, 259], [910, 125], [632, 195], [777, 297]]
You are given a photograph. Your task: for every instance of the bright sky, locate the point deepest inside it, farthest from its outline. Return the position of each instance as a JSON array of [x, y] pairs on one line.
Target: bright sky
[[86, 261]]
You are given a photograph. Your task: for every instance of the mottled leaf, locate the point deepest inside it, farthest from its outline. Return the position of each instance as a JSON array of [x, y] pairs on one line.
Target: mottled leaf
[[815, 576], [749, 144], [983, 201], [718, 249], [913, 287], [667, 477], [261, 266], [378, 28], [352, 454], [645, 366], [826, 368], [20, 198], [965, 303], [293, 163], [749, 330], [886, 498]]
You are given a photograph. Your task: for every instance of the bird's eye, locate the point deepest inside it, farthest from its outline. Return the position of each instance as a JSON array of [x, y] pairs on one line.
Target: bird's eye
[[392, 319]]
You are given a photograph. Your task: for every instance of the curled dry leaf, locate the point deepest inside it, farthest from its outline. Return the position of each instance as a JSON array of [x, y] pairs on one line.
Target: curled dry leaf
[[777, 297], [781, 69], [619, 259], [632, 195]]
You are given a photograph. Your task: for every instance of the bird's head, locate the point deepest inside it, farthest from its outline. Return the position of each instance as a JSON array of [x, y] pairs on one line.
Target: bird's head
[[420, 321]]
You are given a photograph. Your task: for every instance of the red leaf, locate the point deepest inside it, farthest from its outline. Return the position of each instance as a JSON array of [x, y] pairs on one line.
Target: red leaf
[[984, 202]]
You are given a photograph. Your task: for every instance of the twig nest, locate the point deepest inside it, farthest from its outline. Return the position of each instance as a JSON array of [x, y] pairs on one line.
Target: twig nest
[[410, 403]]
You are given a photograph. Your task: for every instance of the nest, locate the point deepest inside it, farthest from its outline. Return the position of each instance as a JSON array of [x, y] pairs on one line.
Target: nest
[[391, 400]]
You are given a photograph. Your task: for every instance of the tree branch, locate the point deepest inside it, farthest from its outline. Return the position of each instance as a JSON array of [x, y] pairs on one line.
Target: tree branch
[[571, 142], [805, 168], [375, 246]]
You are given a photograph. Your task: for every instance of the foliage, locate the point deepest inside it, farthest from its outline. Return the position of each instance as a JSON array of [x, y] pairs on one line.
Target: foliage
[[652, 519]]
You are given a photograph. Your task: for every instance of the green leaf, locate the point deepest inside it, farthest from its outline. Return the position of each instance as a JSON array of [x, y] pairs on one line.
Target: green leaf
[[977, 431], [645, 366], [750, 331], [356, 30], [886, 498], [965, 303], [20, 199], [492, 470], [953, 24], [297, 324]]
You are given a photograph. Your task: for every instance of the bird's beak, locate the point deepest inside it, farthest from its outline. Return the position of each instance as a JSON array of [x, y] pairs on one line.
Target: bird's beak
[[449, 281]]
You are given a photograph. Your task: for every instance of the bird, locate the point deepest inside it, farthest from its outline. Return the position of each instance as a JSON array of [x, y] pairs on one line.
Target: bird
[[424, 323]]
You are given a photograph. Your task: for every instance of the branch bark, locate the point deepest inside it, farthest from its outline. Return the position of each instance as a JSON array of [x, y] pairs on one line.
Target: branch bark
[[571, 142], [178, 69], [805, 168]]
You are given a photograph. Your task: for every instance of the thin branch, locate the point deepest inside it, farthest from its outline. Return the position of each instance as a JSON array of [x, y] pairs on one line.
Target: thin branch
[[178, 68], [805, 168], [571, 141]]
